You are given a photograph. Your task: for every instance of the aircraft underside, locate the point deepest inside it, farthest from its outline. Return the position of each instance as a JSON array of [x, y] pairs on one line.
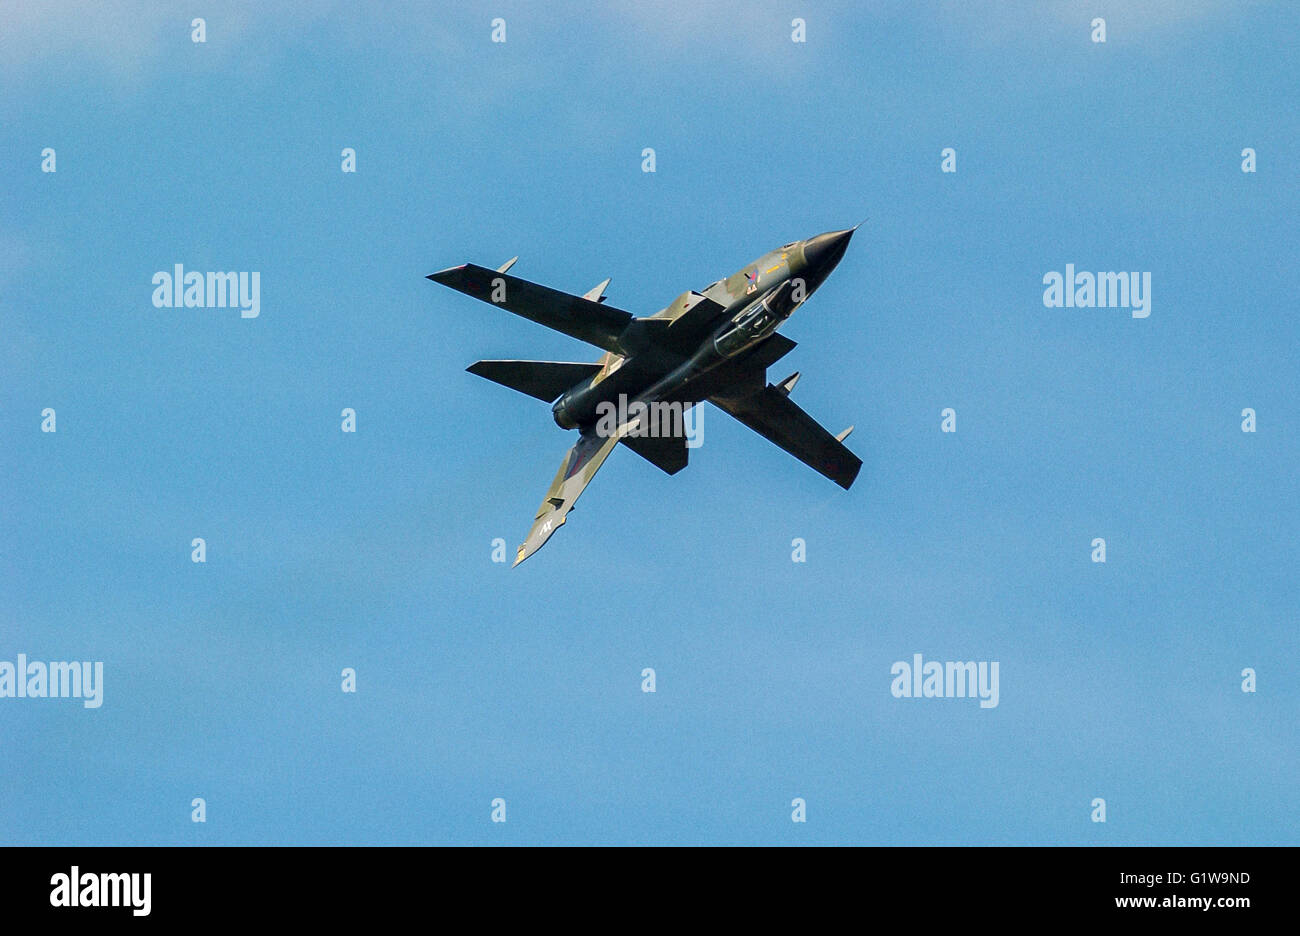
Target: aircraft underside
[[713, 346]]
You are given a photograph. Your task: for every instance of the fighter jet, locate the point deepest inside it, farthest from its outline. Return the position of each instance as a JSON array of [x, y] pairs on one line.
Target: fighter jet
[[713, 344]]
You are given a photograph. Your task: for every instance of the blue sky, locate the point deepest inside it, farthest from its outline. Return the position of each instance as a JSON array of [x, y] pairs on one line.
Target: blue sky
[[373, 550]]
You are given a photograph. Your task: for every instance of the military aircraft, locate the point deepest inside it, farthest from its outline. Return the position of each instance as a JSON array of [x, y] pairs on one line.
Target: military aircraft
[[714, 344]]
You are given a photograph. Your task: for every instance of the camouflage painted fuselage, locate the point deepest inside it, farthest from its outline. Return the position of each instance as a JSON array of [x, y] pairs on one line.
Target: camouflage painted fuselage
[[715, 344], [659, 366]]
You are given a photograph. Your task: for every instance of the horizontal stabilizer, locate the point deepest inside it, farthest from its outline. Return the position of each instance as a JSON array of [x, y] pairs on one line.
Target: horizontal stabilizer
[[666, 452], [545, 380]]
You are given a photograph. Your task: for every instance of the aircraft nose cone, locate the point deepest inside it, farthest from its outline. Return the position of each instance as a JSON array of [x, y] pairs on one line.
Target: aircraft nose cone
[[825, 250]]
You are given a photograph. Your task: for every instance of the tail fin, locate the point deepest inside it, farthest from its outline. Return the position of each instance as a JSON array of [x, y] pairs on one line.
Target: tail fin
[[545, 380], [578, 468], [668, 453]]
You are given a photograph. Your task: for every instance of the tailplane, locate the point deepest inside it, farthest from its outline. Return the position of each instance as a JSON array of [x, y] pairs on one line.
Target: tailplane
[[545, 380]]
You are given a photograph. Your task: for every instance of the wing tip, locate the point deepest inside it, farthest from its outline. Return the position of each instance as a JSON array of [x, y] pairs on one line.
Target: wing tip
[[443, 275], [846, 479]]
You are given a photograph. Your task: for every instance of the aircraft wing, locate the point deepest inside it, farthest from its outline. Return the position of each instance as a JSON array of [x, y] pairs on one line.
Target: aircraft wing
[[771, 413], [578, 468], [584, 319]]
